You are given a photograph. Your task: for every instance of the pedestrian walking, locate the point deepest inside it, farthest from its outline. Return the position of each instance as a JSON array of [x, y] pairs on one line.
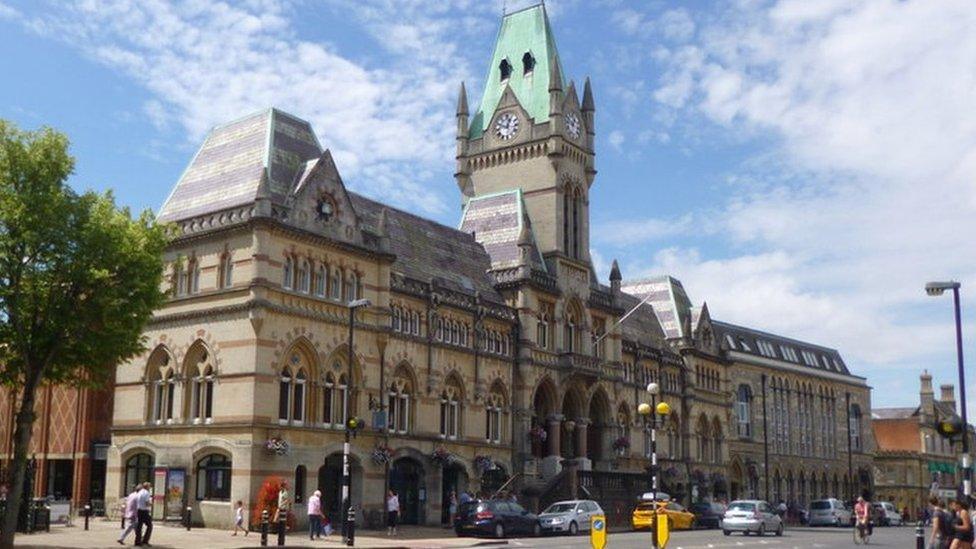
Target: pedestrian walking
[[315, 515], [465, 497], [239, 518], [392, 512], [452, 507], [144, 526], [941, 525], [962, 526], [284, 504], [130, 514]]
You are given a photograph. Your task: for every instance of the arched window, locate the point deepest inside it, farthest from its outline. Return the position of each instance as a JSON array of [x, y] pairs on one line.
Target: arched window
[[201, 393], [505, 70], [395, 318], [213, 478], [334, 394], [571, 336], [702, 435], [138, 469], [674, 437], [300, 474], [743, 411], [226, 273], [298, 397], [528, 63], [335, 285], [349, 291], [320, 281], [165, 396], [304, 272], [567, 200], [180, 280], [288, 274], [716, 441], [577, 219], [398, 403], [451, 410], [855, 427], [493, 414], [284, 395], [600, 342]]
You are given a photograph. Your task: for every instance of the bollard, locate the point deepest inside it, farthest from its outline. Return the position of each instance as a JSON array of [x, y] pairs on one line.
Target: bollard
[[264, 528], [189, 517], [282, 524], [919, 536], [87, 514], [351, 528], [48, 509]]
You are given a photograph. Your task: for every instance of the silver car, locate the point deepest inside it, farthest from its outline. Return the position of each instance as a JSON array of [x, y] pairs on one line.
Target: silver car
[[569, 516], [751, 515], [829, 512]]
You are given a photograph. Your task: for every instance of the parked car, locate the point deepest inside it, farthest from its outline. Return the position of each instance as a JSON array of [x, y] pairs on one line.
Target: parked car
[[569, 516], [707, 515], [678, 517], [495, 518], [751, 515], [885, 514], [830, 512]]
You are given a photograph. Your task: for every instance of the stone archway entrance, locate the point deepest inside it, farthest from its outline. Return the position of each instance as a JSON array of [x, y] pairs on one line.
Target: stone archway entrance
[[493, 479], [454, 479], [599, 429], [572, 412], [736, 485], [406, 480], [330, 484]]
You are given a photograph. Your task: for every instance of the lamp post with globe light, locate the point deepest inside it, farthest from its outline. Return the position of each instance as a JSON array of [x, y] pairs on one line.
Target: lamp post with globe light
[[352, 424], [937, 289], [651, 411]]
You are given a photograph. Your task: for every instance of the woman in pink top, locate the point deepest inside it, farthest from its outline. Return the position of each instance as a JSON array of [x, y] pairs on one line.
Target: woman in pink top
[[315, 515], [131, 506]]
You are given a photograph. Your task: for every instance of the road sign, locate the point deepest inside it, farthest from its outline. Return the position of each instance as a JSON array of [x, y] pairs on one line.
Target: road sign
[[662, 530], [598, 531]]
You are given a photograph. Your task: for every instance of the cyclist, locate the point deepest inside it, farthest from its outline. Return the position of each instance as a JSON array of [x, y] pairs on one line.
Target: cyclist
[[862, 515]]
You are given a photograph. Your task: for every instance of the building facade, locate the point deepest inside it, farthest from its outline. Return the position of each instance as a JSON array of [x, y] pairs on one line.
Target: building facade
[[489, 354], [913, 461]]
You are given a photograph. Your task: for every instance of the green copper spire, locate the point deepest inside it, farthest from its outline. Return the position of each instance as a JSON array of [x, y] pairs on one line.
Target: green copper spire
[[524, 31]]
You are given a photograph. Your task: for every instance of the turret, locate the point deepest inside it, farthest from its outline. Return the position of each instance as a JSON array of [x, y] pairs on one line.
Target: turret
[[926, 398], [555, 93], [462, 117], [525, 247], [948, 396], [589, 113], [615, 278], [383, 230]]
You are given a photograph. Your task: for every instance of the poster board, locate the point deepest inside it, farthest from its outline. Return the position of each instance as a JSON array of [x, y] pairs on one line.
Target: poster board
[[175, 494], [158, 492]]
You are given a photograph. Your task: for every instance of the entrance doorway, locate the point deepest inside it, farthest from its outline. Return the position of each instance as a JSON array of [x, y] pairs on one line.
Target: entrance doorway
[[405, 480], [493, 479], [330, 484], [455, 479]]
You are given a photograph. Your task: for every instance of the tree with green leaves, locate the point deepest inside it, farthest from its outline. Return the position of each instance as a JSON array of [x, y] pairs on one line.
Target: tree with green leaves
[[79, 279]]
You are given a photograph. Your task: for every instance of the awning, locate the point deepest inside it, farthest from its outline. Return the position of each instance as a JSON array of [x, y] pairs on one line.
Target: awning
[[940, 467]]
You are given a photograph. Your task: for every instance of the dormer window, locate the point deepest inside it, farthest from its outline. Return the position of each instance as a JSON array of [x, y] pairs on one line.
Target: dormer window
[[528, 63], [505, 68]]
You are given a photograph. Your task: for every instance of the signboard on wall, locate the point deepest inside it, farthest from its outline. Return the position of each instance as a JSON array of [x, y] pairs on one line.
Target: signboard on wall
[[158, 492], [175, 491]]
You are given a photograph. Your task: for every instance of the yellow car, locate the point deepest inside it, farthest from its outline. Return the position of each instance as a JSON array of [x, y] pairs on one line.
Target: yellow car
[[678, 517]]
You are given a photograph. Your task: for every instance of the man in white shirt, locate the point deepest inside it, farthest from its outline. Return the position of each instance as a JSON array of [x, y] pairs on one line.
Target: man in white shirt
[[131, 508], [144, 515]]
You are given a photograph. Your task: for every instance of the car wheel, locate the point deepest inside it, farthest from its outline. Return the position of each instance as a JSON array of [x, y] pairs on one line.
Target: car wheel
[[727, 532], [573, 528], [499, 530], [536, 530], [779, 531], [761, 531]]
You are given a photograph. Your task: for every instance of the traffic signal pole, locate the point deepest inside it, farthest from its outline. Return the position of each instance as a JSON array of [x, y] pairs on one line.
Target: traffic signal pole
[[967, 483]]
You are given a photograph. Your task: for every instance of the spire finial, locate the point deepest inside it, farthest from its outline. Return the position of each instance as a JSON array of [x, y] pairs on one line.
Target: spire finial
[[462, 103], [615, 271], [588, 104]]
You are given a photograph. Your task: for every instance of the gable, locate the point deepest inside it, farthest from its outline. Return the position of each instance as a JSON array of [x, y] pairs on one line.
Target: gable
[[320, 203]]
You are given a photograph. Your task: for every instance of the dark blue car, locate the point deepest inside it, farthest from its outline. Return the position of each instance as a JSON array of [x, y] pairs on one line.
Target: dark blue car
[[495, 518]]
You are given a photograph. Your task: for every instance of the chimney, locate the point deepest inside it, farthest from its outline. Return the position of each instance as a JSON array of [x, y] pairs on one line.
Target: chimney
[[948, 395], [927, 397]]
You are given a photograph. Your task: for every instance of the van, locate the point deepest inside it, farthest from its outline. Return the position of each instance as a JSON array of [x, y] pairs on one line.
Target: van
[[829, 512]]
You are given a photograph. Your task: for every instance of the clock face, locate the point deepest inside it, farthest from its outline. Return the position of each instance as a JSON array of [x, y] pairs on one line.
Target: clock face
[[325, 208], [573, 125], [506, 126]]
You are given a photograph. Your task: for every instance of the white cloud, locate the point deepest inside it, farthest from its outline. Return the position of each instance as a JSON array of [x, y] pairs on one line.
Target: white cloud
[[616, 139], [207, 63], [867, 188]]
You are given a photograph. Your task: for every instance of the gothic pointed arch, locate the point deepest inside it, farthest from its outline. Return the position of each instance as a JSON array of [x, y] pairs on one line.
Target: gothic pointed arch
[[199, 374]]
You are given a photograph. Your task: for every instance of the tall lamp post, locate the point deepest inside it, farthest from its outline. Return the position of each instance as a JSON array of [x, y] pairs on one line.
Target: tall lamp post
[[348, 513], [651, 411], [937, 289]]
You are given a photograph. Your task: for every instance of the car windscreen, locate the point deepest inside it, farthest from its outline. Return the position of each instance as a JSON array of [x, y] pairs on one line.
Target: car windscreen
[[560, 508], [647, 506], [742, 506], [820, 505]]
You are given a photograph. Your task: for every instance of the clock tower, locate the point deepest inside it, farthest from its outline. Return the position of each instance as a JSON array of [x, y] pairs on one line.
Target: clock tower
[[531, 133]]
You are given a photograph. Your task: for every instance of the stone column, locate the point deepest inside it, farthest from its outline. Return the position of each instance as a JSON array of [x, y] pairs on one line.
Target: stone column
[[555, 425], [581, 425]]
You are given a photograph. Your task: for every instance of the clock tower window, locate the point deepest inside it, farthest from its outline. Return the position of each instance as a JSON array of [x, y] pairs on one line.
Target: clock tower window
[[528, 63], [505, 69]]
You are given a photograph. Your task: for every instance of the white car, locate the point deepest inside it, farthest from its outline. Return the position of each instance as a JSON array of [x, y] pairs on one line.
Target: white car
[[569, 516], [829, 512], [887, 512], [751, 515]]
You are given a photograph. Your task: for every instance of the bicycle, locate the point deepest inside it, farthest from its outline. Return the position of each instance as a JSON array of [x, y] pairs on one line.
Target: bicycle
[[862, 533]]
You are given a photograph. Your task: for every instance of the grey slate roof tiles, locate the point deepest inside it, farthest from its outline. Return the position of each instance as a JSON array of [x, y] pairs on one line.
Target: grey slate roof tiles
[[668, 298], [496, 221], [771, 346]]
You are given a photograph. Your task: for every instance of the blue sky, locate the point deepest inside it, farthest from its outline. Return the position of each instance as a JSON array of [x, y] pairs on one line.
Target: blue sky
[[804, 167]]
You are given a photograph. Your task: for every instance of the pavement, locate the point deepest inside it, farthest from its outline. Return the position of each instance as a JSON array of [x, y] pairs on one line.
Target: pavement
[[102, 534]]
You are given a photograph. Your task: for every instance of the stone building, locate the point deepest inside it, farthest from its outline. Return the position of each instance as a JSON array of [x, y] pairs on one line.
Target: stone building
[[488, 350], [913, 461], [69, 444]]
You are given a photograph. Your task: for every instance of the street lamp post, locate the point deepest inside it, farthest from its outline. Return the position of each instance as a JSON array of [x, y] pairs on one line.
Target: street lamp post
[[348, 513], [937, 289], [652, 411]]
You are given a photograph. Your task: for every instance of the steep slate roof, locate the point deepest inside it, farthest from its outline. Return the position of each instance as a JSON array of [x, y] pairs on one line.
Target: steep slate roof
[[746, 340], [426, 250], [497, 221], [893, 413], [668, 298], [522, 31], [643, 325], [228, 169]]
